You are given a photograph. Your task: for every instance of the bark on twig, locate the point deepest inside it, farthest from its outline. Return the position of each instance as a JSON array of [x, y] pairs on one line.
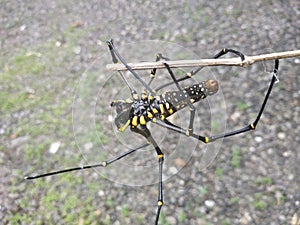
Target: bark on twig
[[206, 62]]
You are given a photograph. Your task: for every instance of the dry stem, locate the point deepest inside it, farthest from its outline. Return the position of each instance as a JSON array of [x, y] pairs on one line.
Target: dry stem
[[206, 62]]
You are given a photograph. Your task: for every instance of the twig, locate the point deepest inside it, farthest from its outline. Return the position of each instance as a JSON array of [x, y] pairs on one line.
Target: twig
[[206, 62]]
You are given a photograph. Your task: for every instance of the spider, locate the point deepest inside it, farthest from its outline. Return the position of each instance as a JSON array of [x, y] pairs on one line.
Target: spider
[[141, 109]]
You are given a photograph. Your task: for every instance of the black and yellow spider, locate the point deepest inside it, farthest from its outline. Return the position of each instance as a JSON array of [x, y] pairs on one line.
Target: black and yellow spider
[[139, 110]]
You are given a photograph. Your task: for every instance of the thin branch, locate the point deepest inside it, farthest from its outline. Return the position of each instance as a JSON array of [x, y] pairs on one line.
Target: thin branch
[[206, 62]]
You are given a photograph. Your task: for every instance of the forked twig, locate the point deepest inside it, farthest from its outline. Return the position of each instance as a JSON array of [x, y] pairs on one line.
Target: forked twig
[[205, 62]]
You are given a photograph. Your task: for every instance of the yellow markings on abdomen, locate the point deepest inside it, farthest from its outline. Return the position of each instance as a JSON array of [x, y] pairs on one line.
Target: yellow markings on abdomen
[[154, 110], [134, 121], [142, 120], [167, 105], [150, 115], [162, 109]]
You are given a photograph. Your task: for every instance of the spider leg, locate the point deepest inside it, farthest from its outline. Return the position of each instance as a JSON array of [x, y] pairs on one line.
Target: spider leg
[[253, 125], [159, 57], [146, 133], [115, 60], [167, 124], [116, 57], [247, 128], [190, 74], [102, 164]]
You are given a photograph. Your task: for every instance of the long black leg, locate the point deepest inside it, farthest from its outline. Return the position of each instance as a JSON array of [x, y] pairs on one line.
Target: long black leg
[[102, 164], [251, 126], [159, 57], [188, 75], [146, 133], [115, 56], [167, 124], [115, 60], [224, 51]]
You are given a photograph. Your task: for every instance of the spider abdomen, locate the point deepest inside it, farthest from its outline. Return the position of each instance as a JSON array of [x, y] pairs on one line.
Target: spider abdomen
[[190, 94]]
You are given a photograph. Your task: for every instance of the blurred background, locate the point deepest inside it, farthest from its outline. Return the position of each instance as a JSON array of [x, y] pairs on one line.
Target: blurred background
[[55, 94]]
